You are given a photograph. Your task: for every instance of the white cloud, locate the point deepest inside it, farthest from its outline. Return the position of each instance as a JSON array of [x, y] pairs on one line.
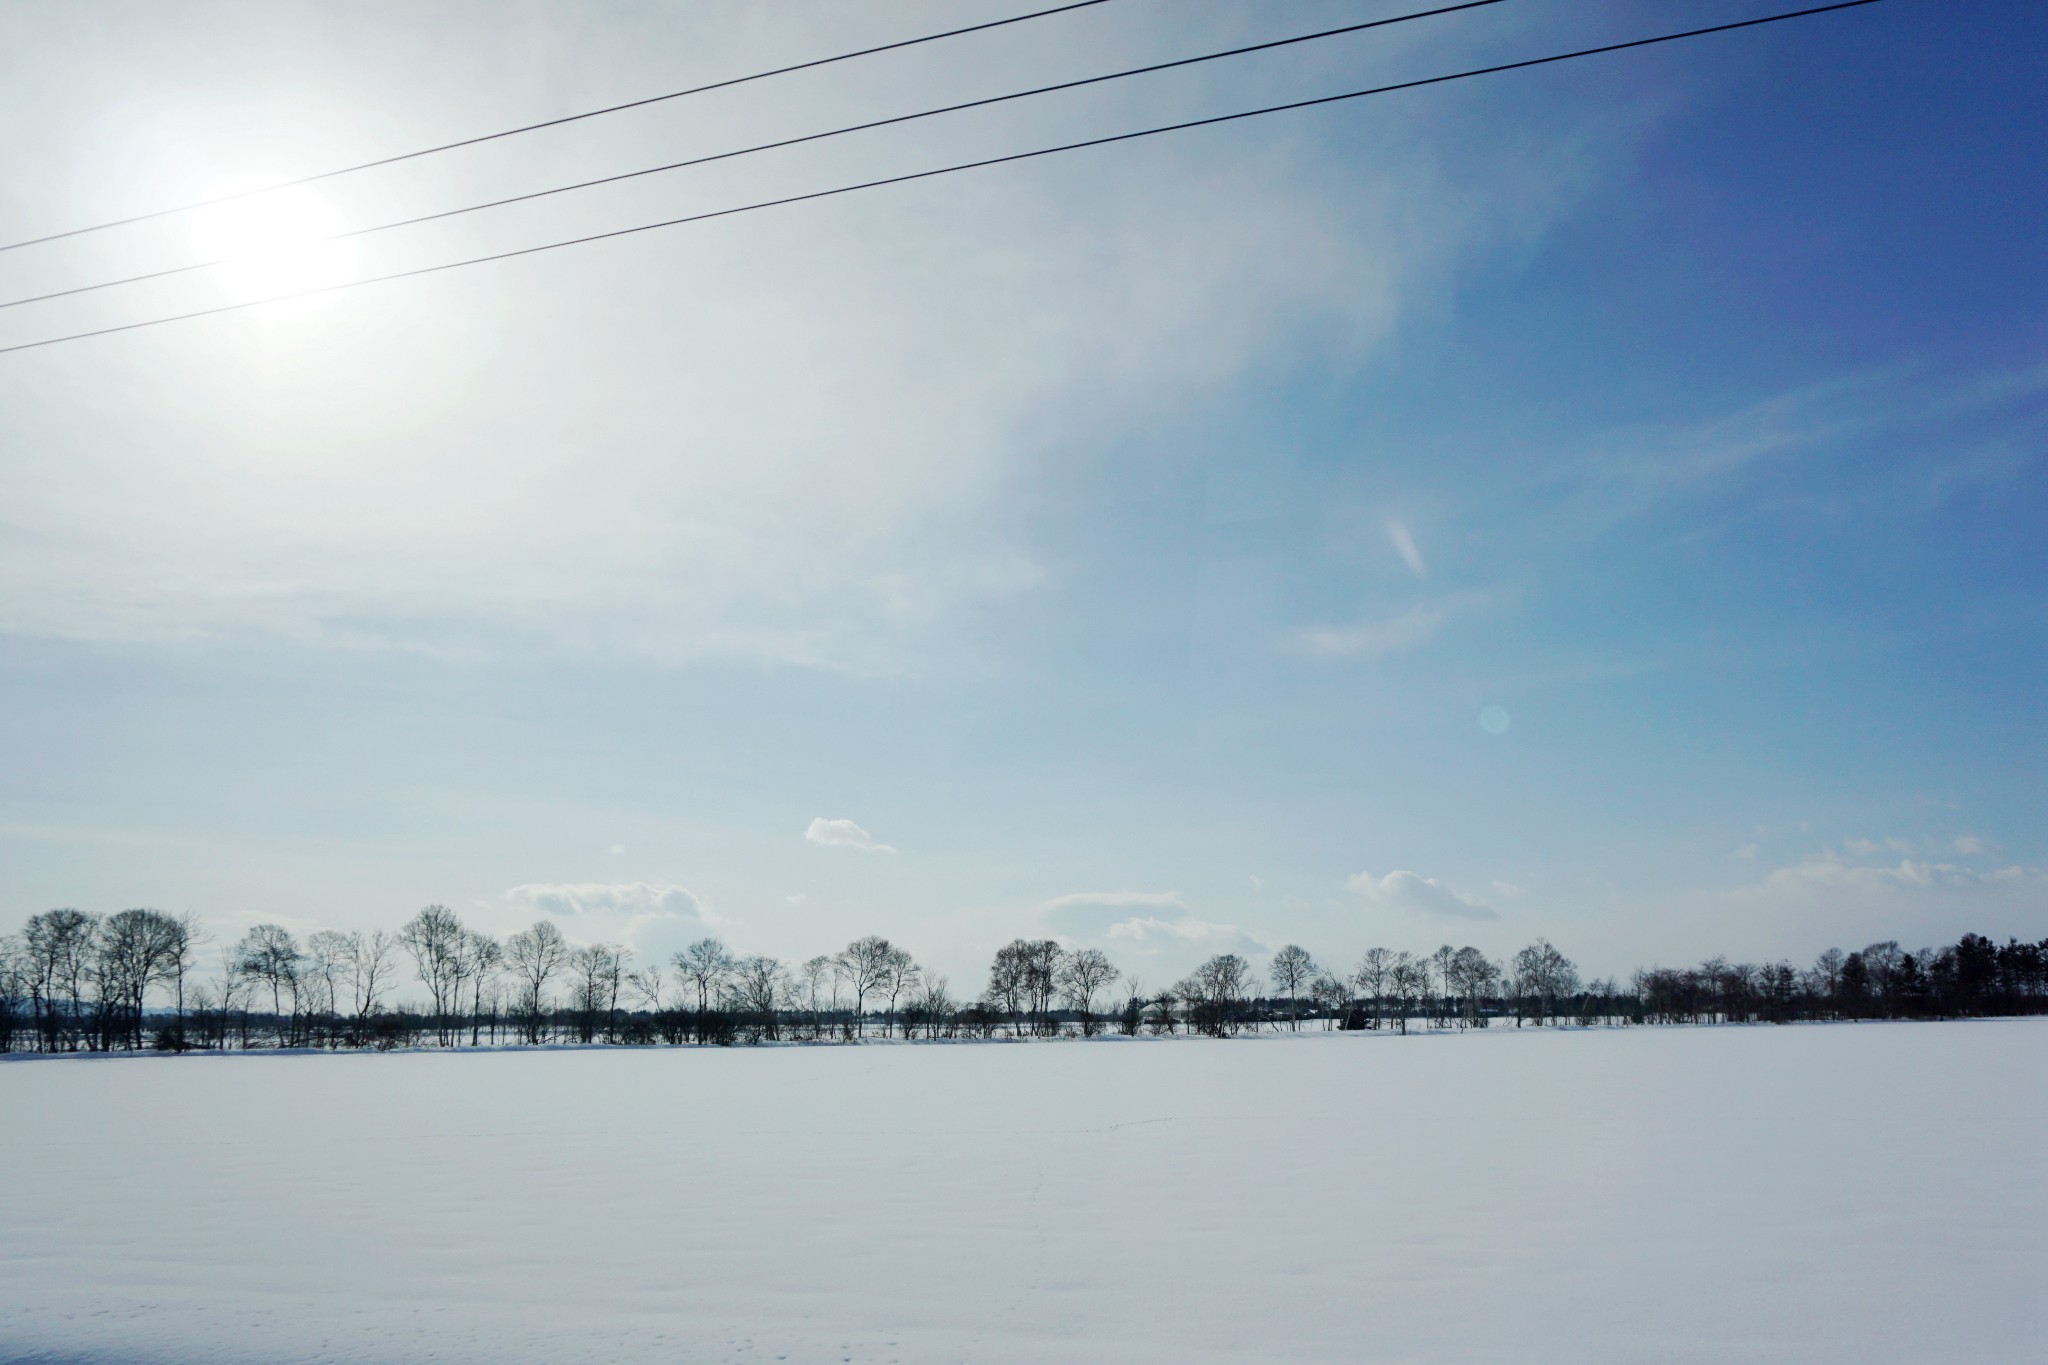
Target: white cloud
[[1391, 635], [657, 484], [1747, 853], [1152, 898], [1509, 890], [1974, 846], [2017, 873], [796, 897], [1151, 934], [1404, 545], [1419, 895], [1831, 870], [1863, 848], [652, 917], [573, 900], [1375, 639], [843, 834]]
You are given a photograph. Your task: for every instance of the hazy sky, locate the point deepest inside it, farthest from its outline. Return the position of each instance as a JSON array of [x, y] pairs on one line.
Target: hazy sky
[[1601, 502]]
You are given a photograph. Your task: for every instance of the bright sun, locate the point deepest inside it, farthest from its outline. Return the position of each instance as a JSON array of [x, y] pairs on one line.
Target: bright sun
[[273, 244]]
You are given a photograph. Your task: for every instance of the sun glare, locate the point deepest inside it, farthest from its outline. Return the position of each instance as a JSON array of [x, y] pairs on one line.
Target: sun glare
[[273, 245]]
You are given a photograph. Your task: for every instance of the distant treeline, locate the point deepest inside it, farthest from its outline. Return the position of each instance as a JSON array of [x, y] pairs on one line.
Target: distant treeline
[[78, 982]]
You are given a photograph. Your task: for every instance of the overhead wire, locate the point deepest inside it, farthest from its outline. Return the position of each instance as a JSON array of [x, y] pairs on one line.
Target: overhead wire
[[478, 140], [1111, 139], [779, 143]]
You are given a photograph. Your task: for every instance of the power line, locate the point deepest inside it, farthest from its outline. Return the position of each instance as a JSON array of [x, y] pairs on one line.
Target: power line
[[959, 166], [726, 84], [779, 143]]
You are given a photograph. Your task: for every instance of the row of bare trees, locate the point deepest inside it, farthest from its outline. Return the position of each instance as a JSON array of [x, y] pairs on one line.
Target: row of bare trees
[[72, 981]]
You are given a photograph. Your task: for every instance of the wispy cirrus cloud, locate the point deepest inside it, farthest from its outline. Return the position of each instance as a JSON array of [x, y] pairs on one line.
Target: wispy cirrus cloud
[[1403, 541], [1387, 636]]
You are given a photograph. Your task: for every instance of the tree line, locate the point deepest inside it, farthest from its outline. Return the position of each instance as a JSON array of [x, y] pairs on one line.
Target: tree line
[[71, 981]]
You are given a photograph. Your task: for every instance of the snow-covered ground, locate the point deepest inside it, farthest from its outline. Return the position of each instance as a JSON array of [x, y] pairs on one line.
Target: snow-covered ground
[[1840, 1193]]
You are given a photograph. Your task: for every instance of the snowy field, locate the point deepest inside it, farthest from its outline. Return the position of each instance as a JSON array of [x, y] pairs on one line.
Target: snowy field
[[1836, 1193]]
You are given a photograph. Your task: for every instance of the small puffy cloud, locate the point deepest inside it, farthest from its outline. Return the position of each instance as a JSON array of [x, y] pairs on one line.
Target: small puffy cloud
[[1747, 853], [1418, 894], [843, 834], [1151, 934], [797, 897], [1156, 899], [1404, 545], [1509, 890], [616, 849], [1863, 848], [1973, 846]]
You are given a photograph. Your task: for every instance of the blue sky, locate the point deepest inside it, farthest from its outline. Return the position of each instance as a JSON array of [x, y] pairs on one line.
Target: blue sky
[[1131, 542]]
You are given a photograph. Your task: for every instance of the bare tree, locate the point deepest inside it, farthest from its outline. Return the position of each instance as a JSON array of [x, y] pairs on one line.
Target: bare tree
[[1827, 974], [484, 959], [705, 964], [327, 960], [899, 979], [865, 965], [935, 1005], [1024, 980], [1444, 960], [1474, 975], [1408, 978], [760, 985], [14, 991], [1131, 1018], [815, 973], [1042, 964], [1332, 994], [1292, 970], [134, 950], [369, 967], [59, 946], [272, 957], [236, 985], [1165, 1014], [435, 940], [1544, 975], [597, 971], [645, 987], [1082, 976], [1218, 994], [1007, 988], [183, 954], [1373, 977], [535, 955]]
